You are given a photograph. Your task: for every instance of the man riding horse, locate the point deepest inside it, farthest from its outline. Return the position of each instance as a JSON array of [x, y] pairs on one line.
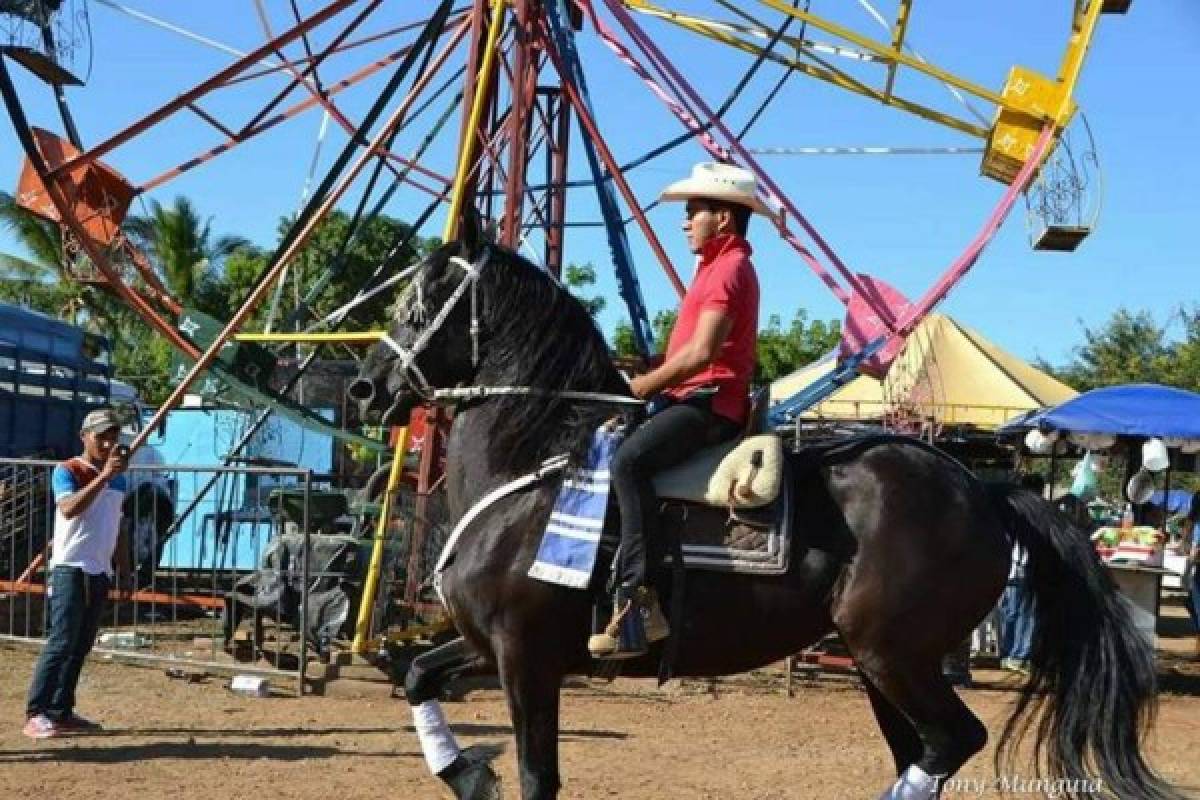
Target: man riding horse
[[699, 393], [896, 547]]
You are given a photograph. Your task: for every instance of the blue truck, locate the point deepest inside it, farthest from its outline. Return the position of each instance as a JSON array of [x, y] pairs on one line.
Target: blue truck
[[51, 374]]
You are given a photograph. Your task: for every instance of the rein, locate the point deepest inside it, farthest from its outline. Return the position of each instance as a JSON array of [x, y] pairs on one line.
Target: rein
[[484, 392], [408, 355]]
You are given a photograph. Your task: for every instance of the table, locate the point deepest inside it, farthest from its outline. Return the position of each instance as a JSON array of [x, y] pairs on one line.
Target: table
[[1142, 586]]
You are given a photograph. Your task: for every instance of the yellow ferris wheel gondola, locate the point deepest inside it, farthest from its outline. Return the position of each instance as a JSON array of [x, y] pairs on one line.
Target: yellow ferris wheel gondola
[[1027, 102]]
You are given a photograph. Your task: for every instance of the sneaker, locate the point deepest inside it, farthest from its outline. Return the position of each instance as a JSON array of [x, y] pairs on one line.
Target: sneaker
[[39, 726], [77, 724]]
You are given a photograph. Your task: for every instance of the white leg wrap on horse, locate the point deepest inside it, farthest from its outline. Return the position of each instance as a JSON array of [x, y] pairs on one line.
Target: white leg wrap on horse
[[914, 784], [437, 742]]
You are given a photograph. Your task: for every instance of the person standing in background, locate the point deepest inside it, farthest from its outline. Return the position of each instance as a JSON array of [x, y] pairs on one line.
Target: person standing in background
[[88, 494]]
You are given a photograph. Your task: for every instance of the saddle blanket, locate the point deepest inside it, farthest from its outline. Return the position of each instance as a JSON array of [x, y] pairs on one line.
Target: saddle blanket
[[567, 555], [712, 538]]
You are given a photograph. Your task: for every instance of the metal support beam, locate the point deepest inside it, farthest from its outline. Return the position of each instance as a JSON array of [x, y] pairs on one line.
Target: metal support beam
[[523, 84], [558, 136], [903, 13], [181, 102]]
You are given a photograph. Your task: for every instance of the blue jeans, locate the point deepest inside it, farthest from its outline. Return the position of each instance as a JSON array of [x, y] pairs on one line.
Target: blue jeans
[[1016, 615], [75, 603], [1194, 599]]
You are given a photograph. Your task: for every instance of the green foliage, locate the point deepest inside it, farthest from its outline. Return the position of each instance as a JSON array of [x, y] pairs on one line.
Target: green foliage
[[578, 277], [1183, 368], [39, 280], [355, 263], [242, 268], [39, 237], [783, 351], [1132, 348], [625, 346], [623, 343], [780, 350], [142, 357], [182, 247]]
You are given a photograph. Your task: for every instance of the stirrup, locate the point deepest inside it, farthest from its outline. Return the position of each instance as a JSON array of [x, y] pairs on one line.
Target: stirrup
[[653, 620], [625, 634]]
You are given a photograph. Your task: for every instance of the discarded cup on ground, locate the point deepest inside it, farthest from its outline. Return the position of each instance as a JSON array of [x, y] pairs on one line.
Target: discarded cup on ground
[[250, 686], [126, 640]]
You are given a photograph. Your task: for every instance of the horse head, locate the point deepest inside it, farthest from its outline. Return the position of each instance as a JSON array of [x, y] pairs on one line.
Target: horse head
[[434, 338], [480, 316]]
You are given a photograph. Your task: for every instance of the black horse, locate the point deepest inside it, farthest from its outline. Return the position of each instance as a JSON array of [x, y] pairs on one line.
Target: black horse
[[901, 551]]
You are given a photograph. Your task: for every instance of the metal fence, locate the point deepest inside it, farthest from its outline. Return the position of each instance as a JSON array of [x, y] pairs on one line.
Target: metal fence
[[210, 549]]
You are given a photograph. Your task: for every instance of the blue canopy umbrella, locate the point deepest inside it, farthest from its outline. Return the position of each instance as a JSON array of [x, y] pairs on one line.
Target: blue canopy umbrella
[[1136, 409]]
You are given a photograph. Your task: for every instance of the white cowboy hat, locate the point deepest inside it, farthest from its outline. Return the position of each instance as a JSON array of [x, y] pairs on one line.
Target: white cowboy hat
[[718, 182]]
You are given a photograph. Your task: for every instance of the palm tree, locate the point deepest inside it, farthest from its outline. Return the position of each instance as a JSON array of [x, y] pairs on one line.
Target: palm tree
[[182, 246], [40, 280]]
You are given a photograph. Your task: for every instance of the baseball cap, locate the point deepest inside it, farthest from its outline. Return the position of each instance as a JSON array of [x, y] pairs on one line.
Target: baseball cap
[[100, 420]]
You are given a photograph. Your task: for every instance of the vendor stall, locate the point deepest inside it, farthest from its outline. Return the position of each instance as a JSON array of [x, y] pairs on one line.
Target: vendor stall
[[1157, 429]]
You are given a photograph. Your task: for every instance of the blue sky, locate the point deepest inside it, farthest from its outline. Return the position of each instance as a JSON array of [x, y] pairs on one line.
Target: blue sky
[[902, 218]]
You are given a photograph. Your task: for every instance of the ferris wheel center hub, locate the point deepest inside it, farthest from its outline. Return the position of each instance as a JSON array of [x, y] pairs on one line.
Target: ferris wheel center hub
[[865, 324]]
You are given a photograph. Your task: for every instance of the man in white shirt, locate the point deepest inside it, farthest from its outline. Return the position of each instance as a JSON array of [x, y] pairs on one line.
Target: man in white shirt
[[88, 493]]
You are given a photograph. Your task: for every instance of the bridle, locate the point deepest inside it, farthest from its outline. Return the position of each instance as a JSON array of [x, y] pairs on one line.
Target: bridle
[[416, 313], [407, 356]]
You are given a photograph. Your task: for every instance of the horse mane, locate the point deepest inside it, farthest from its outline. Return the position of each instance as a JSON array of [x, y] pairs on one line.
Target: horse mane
[[540, 335]]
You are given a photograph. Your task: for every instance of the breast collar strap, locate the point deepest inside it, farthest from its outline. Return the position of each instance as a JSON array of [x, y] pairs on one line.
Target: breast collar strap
[[408, 355]]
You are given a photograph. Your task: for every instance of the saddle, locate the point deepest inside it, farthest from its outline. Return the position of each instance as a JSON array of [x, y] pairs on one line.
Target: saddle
[[729, 506]]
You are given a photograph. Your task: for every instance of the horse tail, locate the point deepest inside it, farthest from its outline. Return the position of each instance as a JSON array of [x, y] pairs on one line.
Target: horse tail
[[1090, 696]]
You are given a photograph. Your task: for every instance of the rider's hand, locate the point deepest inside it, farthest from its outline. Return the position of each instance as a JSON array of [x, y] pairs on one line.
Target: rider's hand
[[641, 387]]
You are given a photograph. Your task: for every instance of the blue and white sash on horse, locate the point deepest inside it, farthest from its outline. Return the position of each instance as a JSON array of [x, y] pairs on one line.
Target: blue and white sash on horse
[[569, 546]]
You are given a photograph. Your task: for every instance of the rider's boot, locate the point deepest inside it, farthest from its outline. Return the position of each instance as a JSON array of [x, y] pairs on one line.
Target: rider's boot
[[625, 634]]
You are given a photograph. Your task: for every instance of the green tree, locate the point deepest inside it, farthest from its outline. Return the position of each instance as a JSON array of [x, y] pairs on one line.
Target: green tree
[[1183, 368], [40, 280], [782, 351], [1128, 348], [142, 357], [353, 259], [242, 269], [625, 346], [580, 277], [181, 245]]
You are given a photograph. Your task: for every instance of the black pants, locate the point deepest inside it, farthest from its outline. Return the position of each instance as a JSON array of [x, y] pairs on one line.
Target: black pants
[[666, 439]]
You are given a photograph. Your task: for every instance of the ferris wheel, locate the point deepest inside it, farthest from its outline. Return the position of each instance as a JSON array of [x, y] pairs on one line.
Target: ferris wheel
[[511, 107]]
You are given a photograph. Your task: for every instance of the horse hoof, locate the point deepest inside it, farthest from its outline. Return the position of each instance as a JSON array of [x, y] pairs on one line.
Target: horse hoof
[[477, 780]]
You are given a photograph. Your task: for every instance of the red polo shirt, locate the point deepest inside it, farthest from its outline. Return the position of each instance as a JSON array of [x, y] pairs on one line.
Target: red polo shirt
[[725, 281]]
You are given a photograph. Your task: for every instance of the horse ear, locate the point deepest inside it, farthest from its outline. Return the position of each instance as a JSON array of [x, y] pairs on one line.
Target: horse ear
[[470, 232]]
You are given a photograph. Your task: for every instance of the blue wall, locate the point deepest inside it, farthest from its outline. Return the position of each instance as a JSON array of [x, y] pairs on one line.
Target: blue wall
[[202, 437]]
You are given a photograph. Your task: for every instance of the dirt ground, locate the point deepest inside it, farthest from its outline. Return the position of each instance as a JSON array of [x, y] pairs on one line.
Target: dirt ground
[[168, 738]]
